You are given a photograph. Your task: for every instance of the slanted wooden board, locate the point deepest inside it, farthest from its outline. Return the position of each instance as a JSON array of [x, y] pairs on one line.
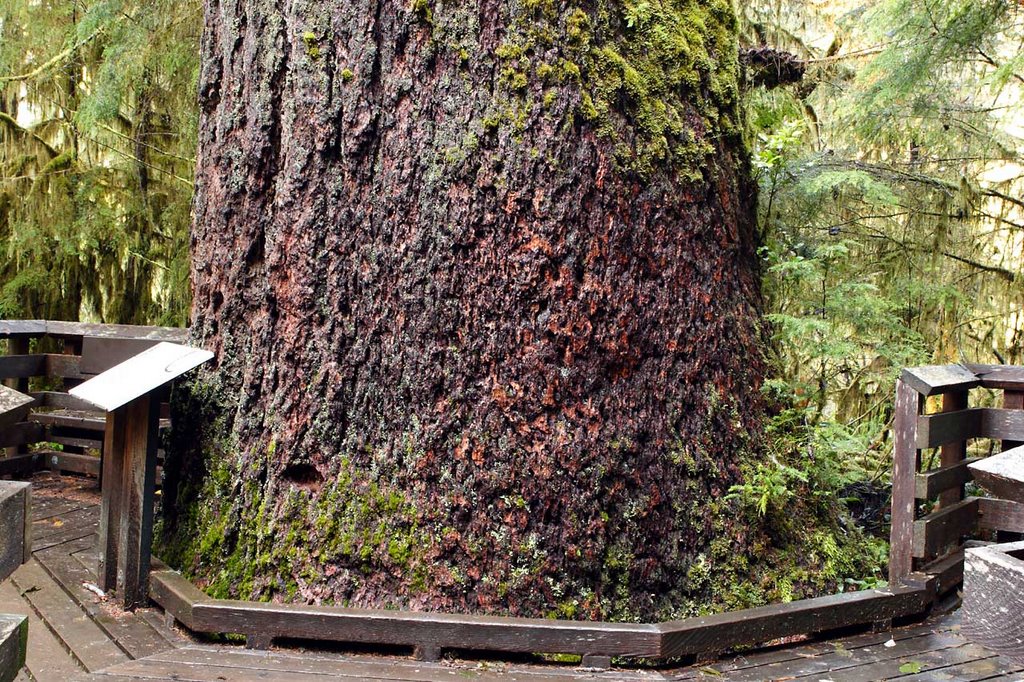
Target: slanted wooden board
[[751, 626], [13, 645], [1002, 474], [993, 599], [1007, 377], [905, 465], [14, 405], [140, 375], [935, 379]]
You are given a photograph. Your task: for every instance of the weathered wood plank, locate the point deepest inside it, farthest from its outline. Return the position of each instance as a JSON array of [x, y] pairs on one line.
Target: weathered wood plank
[[15, 535], [935, 430], [1007, 377], [139, 481], [113, 495], [417, 628], [1002, 474], [24, 433], [954, 452], [1004, 515], [175, 595], [948, 572], [14, 406], [268, 666], [993, 601], [930, 483], [63, 366], [751, 626], [100, 354], [944, 528], [77, 419], [1012, 400], [62, 401], [83, 638], [20, 465], [75, 442], [1003, 424], [47, 659], [22, 328], [70, 461], [847, 664], [131, 633], [115, 331], [13, 645], [905, 465], [934, 379], [22, 366]]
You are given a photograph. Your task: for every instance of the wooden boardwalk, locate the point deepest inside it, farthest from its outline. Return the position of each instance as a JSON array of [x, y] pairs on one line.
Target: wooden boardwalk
[[76, 635]]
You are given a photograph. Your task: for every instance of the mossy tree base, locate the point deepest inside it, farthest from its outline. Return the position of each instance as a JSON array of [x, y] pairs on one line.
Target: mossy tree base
[[482, 284]]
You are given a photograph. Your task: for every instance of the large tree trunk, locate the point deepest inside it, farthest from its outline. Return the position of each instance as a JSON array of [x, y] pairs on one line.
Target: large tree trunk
[[482, 285]]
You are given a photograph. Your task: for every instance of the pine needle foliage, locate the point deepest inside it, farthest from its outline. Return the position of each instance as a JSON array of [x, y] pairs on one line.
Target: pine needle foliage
[[98, 125]]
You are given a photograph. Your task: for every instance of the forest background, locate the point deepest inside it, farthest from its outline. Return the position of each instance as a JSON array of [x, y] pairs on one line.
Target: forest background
[[888, 158]]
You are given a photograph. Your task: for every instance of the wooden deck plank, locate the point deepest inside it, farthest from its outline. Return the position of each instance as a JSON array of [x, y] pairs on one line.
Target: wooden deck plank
[[80, 635], [818, 647], [926, 663], [845, 659], [46, 506], [47, 659], [226, 665], [990, 668], [131, 633]]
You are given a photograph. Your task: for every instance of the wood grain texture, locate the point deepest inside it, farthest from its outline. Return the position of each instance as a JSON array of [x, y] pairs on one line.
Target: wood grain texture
[[944, 528], [83, 638], [751, 626], [993, 600], [930, 484], [13, 645], [24, 433], [1002, 474], [935, 430], [1003, 515], [905, 466], [934, 379], [112, 483], [136, 508], [1012, 400], [952, 453], [22, 366], [15, 512], [1007, 377]]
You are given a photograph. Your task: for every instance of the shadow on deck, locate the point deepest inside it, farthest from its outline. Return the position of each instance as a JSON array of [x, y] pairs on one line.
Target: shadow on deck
[[77, 635]]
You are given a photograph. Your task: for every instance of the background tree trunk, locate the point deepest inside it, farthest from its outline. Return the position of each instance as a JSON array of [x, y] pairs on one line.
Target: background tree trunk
[[482, 285]]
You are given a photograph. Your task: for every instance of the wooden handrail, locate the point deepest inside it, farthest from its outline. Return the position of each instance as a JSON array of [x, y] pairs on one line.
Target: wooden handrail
[[928, 543]]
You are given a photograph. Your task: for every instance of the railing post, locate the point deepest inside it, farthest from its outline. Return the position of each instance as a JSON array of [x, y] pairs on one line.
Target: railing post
[[906, 460], [17, 345], [956, 451], [1012, 400]]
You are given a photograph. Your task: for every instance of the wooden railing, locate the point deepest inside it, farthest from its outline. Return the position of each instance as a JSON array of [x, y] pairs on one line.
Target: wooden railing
[[932, 518], [65, 354], [925, 560]]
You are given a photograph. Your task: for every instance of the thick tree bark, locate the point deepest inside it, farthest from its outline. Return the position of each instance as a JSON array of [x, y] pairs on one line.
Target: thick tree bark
[[482, 285]]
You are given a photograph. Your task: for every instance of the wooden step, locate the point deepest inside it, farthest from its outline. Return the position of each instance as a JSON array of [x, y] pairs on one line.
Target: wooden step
[[1002, 474]]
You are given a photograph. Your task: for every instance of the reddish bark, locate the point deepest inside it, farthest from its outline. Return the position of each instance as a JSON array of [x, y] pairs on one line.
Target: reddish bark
[[547, 361]]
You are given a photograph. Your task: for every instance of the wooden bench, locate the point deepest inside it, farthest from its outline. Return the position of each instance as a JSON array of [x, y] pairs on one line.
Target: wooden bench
[[13, 646]]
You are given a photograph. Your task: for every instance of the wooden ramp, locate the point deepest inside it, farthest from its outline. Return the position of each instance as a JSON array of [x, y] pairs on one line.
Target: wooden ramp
[[76, 635]]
